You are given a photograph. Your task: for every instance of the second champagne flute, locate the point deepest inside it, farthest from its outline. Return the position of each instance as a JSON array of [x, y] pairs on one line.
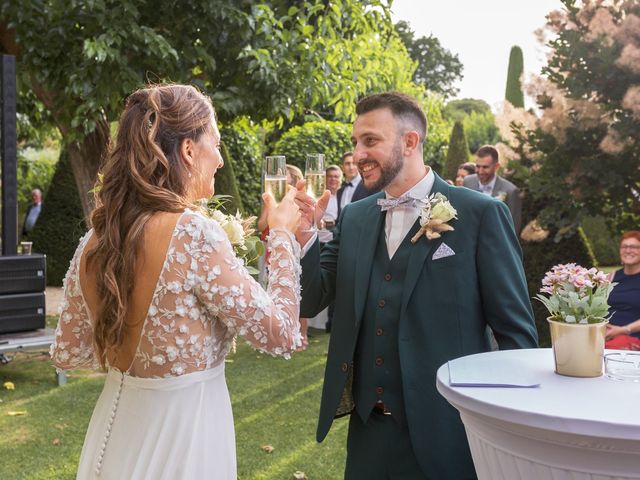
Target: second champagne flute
[[314, 176], [275, 176]]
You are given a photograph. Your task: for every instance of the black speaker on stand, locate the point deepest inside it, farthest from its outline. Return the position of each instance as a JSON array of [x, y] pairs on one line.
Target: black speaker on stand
[[8, 139], [22, 277]]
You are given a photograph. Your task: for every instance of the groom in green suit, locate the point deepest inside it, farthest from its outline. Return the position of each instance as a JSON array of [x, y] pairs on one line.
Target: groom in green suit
[[402, 309]]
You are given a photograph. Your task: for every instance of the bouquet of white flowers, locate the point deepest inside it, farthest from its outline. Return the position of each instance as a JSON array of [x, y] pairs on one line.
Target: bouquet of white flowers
[[240, 232]]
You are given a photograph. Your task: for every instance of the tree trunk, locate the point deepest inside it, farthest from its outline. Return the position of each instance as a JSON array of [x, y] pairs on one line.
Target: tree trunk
[[86, 157]]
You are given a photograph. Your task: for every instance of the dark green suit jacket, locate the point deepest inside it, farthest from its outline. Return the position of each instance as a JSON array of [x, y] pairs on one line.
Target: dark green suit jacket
[[446, 306]]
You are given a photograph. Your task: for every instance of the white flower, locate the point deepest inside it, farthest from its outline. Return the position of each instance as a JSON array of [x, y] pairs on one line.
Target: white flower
[[502, 196], [434, 215], [158, 360], [172, 353], [234, 231]]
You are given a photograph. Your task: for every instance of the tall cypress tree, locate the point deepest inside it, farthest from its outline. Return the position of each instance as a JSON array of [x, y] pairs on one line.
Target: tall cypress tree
[[61, 222], [513, 92], [458, 152]]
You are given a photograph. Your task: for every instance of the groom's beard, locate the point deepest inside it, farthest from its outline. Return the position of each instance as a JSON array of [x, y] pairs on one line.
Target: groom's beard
[[389, 171]]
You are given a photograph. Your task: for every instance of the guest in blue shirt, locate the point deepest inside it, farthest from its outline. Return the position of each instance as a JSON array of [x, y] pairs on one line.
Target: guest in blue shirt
[[623, 331], [33, 211]]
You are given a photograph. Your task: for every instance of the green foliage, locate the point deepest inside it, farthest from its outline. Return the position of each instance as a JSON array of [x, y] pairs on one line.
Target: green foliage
[[243, 140], [604, 243], [438, 68], [331, 138], [513, 93], [226, 183], [480, 129], [60, 224], [35, 170], [457, 110], [438, 132], [458, 152]]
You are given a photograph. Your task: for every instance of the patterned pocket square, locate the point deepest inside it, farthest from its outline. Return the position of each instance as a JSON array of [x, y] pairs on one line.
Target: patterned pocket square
[[443, 251]]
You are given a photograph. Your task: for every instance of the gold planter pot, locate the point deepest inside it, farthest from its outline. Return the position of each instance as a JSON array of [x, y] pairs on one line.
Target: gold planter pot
[[578, 349]]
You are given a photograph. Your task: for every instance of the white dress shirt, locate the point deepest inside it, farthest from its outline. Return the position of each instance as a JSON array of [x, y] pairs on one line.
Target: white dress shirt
[[488, 188], [332, 208], [348, 191], [400, 219]]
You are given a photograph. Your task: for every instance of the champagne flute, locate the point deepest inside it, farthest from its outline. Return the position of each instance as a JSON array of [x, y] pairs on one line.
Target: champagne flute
[[275, 176], [314, 175]]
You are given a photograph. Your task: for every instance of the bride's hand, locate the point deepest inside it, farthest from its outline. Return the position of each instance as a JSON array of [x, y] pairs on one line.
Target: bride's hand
[[286, 214]]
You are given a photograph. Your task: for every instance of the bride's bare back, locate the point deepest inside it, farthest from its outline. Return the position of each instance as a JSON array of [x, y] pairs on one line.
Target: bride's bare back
[[153, 251], [191, 296]]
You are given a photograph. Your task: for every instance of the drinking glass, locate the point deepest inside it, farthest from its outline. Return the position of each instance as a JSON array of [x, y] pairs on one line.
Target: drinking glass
[[314, 176], [275, 176]]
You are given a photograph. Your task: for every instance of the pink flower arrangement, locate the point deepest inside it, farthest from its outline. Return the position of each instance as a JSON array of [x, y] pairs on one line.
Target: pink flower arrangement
[[576, 294]]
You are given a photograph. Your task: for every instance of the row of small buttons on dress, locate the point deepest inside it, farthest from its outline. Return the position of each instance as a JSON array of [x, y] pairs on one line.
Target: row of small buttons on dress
[[103, 448]]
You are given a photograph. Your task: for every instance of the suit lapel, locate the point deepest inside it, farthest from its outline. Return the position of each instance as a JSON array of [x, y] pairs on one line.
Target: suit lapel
[[420, 252], [366, 247]]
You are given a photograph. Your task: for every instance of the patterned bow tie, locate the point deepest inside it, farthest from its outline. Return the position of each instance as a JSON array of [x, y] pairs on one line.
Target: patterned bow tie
[[390, 203]]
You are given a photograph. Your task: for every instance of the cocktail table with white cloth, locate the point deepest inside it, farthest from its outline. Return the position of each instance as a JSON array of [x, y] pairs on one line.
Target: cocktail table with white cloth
[[565, 428]]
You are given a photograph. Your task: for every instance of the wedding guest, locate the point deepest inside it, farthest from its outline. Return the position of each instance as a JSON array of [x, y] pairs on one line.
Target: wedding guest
[[405, 307], [156, 295], [33, 212], [464, 170], [333, 181], [352, 189], [486, 180], [623, 330]]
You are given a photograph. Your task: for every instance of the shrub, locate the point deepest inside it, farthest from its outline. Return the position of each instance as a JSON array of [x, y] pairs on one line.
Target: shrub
[[244, 143], [604, 243], [61, 222], [331, 138], [480, 129], [226, 183], [458, 152]]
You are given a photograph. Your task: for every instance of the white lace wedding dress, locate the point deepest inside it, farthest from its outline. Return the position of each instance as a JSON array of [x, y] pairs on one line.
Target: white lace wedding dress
[[169, 415]]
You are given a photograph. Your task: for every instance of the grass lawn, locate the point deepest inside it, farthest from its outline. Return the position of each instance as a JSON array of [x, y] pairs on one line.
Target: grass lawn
[[275, 402]]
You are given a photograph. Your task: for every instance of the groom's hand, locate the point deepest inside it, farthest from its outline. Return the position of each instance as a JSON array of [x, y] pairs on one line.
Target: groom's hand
[[311, 211]]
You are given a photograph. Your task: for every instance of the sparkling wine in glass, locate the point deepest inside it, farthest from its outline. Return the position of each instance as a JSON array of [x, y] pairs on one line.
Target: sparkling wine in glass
[[314, 176], [275, 176]]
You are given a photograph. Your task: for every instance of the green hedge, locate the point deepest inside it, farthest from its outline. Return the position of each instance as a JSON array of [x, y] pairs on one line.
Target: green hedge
[[226, 183], [331, 138], [513, 91], [60, 224], [605, 244], [244, 143]]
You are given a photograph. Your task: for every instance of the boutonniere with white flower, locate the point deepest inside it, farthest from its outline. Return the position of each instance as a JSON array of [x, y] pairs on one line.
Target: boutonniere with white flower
[[434, 217], [240, 232], [502, 196]]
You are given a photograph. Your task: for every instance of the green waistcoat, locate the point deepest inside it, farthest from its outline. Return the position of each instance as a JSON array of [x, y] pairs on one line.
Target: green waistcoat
[[377, 374]]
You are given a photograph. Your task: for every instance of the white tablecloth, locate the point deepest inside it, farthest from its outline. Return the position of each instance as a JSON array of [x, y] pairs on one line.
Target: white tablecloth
[[567, 428]]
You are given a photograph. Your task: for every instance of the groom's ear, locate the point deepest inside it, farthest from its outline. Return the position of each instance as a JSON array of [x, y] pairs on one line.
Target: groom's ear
[[411, 141]]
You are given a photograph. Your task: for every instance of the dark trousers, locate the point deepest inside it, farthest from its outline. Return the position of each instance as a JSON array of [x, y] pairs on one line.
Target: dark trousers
[[380, 450]]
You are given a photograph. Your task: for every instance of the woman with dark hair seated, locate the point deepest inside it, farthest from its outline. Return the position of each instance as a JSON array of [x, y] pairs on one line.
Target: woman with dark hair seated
[[623, 331]]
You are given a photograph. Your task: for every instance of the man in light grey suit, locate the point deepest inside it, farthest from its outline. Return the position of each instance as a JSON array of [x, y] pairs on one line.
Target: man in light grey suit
[[486, 181]]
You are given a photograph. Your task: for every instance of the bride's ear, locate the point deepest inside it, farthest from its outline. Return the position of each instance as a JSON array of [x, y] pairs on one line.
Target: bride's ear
[[187, 152]]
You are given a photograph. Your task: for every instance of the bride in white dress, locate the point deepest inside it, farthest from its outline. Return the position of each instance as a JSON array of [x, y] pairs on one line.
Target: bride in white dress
[[156, 295]]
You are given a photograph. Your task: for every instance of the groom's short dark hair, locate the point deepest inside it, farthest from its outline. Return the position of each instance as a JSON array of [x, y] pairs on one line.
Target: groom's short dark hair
[[402, 106]]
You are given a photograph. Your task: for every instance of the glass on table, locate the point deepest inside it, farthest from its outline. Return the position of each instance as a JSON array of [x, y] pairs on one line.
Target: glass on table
[[275, 176], [624, 366]]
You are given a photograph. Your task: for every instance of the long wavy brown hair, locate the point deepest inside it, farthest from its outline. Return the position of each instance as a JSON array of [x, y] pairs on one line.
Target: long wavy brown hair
[[143, 173]]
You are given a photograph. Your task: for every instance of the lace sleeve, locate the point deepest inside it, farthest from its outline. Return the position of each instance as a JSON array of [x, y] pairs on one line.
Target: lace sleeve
[[73, 343], [268, 320]]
